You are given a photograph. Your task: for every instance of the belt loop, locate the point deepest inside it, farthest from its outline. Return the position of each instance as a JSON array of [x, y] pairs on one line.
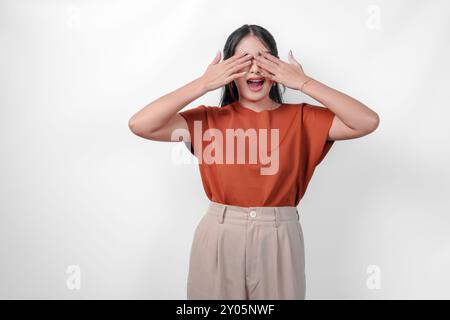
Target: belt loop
[[298, 215], [222, 213], [276, 217]]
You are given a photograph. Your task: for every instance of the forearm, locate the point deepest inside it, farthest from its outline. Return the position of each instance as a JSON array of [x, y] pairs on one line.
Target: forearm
[[353, 113], [158, 112]]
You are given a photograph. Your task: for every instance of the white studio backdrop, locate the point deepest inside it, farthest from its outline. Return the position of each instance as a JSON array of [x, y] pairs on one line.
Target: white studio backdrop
[[89, 210]]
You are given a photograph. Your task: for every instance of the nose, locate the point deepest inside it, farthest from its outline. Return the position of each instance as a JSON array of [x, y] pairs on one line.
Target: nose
[[254, 67]]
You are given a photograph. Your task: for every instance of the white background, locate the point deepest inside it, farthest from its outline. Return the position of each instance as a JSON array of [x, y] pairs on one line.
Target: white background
[[78, 188]]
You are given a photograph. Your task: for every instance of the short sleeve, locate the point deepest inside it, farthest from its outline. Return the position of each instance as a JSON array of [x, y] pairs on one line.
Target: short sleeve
[[317, 122], [191, 115]]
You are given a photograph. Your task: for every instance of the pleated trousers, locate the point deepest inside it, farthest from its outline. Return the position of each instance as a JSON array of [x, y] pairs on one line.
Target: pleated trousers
[[248, 253]]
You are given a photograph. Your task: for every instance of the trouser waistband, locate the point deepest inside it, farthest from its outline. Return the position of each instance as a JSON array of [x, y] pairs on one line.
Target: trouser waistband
[[271, 213]]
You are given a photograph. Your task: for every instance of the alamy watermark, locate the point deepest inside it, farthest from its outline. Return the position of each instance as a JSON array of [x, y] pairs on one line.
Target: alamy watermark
[[255, 140], [373, 281], [73, 281]]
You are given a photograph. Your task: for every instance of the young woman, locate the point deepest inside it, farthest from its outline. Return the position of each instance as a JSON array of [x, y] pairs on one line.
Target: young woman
[[256, 156]]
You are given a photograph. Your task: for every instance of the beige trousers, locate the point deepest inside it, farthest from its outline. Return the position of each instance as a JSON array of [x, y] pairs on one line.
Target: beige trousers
[[247, 253]]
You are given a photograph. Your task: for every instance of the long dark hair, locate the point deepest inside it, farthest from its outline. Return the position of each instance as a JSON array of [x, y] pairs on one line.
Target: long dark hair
[[229, 92]]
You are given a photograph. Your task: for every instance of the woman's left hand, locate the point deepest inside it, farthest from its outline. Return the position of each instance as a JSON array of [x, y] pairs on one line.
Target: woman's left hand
[[289, 74]]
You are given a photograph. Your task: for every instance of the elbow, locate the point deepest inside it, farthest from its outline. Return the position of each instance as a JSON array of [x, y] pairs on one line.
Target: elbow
[[373, 123], [134, 127], [140, 130]]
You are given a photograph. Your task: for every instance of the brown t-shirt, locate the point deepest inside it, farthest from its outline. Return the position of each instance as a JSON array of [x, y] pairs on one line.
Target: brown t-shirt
[[274, 167]]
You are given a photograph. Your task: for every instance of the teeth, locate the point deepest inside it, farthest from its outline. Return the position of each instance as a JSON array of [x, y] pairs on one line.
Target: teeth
[[255, 81]]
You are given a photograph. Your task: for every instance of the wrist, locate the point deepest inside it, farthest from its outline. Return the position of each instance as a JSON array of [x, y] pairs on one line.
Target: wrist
[[303, 81], [200, 86]]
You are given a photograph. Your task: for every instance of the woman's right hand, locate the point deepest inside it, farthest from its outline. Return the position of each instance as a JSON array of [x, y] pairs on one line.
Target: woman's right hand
[[218, 74]]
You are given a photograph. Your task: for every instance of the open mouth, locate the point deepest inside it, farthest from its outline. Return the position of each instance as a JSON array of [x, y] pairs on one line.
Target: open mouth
[[255, 85]]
